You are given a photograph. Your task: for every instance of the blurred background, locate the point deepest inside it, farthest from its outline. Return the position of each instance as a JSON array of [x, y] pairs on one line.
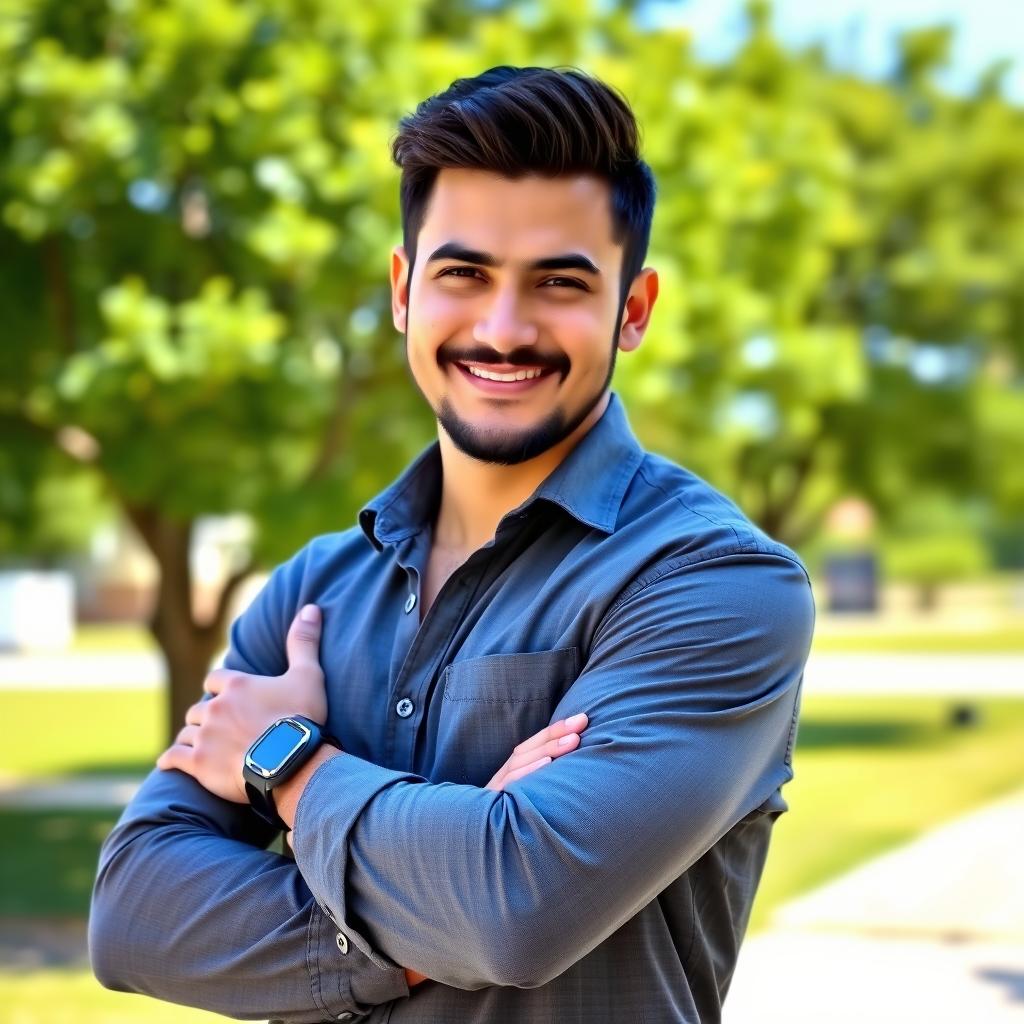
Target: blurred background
[[198, 372]]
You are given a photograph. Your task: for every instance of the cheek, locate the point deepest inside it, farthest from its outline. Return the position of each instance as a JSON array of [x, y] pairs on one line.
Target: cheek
[[434, 314], [584, 334], [433, 320]]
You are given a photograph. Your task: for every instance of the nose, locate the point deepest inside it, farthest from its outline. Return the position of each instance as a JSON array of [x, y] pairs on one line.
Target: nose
[[503, 326]]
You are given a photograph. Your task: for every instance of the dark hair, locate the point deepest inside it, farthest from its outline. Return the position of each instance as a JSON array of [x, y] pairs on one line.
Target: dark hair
[[519, 121]]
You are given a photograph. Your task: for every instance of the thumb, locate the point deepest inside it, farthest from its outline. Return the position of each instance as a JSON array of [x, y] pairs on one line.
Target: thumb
[[303, 643]]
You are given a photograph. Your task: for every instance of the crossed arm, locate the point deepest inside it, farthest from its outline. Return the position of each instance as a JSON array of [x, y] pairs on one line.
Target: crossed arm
[[690, 729], [190, 907]]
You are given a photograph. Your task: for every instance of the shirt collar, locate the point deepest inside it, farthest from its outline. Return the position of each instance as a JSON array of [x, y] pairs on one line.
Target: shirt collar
[[589, 483]]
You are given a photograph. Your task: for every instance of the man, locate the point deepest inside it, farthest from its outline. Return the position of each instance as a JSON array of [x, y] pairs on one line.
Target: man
[[533, 567]]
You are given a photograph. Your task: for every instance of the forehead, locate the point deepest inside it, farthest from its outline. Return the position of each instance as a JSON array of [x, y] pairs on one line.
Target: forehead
[[524, 218]]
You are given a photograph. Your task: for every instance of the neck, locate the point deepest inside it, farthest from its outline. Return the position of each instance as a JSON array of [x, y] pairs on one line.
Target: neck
[[475, 495]]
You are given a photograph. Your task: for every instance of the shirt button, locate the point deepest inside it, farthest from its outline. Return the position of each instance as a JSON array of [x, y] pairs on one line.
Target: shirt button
[[344, 1016], [342, 942], [410, 603], [405, 707]]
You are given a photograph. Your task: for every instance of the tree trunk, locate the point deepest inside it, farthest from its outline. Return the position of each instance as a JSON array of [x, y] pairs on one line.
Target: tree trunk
[[188, 646], [927, 596], [187, 661]]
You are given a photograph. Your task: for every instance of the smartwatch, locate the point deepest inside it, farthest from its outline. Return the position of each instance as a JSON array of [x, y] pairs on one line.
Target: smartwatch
[[275, 757]]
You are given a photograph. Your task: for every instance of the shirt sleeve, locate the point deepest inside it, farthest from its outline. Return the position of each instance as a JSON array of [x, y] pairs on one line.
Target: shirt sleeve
[[188, 905], [692, 688]]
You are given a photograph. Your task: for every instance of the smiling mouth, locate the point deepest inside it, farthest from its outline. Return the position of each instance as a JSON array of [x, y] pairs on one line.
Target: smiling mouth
[[506, 377]]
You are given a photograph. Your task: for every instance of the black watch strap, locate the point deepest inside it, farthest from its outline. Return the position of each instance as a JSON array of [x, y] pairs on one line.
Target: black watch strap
[[259, 788]]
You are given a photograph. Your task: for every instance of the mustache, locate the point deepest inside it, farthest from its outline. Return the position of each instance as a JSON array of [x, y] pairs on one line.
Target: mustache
[[517, 357]]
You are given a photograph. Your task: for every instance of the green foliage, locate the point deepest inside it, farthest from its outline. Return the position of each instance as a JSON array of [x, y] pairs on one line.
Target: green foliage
[[197, 204], [935, 558], [931, 543], [49, 507]]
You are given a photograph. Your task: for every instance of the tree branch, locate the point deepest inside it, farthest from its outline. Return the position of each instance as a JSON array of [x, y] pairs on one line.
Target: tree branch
[[228, 591], [336, 431], [59, 288]]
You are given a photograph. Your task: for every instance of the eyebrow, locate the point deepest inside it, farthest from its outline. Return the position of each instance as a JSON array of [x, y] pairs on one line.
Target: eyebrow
[[564, 261]]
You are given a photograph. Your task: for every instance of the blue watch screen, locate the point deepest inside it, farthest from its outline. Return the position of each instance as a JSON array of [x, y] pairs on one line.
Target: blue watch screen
[[272, 751]]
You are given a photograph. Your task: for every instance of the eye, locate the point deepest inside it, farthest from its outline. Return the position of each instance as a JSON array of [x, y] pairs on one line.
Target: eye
[[458, 272], [563, 281]]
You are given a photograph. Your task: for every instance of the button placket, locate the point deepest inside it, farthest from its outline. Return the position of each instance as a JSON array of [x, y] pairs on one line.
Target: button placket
[[429, 638]]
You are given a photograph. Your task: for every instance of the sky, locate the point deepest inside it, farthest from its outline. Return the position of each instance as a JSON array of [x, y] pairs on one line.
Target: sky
[[861, 35]]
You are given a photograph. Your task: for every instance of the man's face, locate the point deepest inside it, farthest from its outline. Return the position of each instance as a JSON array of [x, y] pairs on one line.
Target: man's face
[[512, 313]]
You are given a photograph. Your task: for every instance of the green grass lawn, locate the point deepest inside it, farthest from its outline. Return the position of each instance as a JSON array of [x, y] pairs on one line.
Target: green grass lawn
[[1006, 640], [75, 997], [99, 732], [871, 772], [123, 637]]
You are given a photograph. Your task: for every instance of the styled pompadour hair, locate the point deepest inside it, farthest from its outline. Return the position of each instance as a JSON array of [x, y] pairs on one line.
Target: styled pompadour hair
[[522, 121]]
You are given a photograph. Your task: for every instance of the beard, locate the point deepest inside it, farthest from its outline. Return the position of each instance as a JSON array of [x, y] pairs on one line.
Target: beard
[[510, 447]]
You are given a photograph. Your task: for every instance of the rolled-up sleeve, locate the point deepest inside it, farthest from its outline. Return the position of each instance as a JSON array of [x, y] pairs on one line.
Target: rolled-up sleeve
[[692, 689], [188, 905]]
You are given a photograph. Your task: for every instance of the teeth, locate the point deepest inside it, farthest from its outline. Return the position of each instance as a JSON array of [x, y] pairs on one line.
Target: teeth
[[506, 377]]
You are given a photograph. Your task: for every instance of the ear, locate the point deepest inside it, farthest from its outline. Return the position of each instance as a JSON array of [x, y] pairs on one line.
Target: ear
[[400, 288], [636, 314]]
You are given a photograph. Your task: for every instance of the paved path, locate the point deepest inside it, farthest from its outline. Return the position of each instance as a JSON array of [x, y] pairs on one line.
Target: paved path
[[941, 674], [82, 791], [932, 932], [978, 674], [803, 978], [133, 670]]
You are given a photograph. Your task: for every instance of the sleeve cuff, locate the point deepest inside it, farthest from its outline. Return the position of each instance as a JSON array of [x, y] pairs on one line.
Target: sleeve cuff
[[331, 803], [349, 983]]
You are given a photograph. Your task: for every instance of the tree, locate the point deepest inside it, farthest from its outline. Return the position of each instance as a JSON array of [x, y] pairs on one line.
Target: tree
[[197, 202], [192, 197], [844, 279]]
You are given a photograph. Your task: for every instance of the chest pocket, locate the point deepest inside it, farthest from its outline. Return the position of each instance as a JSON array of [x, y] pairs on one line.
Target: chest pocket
[[493, 703]]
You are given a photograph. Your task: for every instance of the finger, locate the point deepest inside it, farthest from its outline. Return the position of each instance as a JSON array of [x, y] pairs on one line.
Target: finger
[[176, 756], [525, 770], [187, 735], [575, 724], [216, 680], [303, 643], [565, 743], [196, 714], [553, 748]]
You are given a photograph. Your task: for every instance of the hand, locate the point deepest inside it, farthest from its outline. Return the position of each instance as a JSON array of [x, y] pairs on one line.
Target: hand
[[218, 731], [540, 749]]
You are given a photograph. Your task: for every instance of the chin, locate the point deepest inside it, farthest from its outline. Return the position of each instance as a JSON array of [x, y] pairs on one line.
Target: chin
[[499, 444]]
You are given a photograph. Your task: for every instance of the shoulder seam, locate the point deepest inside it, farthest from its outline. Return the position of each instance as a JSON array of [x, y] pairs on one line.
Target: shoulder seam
[[689, 508], [664, 568]]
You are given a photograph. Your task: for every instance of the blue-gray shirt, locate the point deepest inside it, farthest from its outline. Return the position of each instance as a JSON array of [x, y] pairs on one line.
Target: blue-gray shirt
[[613, 884]]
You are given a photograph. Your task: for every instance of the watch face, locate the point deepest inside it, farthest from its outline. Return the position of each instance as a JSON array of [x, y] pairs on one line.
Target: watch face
[[277, 746]]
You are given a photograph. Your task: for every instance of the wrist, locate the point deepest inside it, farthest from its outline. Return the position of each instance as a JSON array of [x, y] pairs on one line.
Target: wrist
[[276, 757], [289, 792]]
